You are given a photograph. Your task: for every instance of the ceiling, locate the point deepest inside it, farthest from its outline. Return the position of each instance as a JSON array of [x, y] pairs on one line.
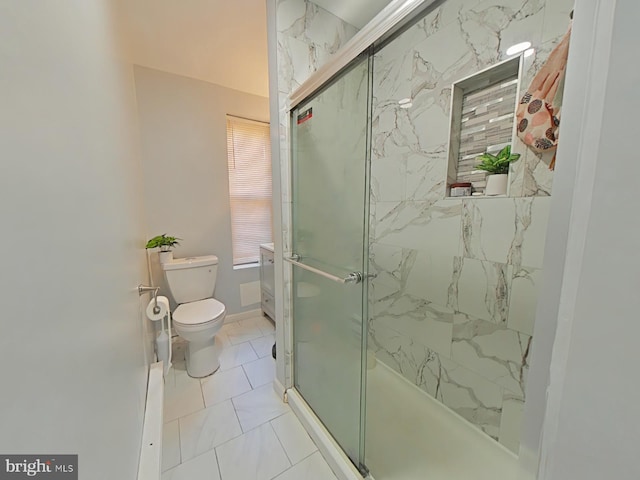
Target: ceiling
[[356, 12], [218, 41]]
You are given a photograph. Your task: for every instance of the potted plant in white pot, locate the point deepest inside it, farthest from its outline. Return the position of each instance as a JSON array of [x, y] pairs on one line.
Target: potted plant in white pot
[[497, 167], [164, 243]]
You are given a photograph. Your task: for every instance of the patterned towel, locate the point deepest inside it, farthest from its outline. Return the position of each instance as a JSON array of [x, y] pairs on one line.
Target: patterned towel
[[538, 114]]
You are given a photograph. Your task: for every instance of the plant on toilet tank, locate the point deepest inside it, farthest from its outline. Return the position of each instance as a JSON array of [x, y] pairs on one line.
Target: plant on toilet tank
[[164, 243]]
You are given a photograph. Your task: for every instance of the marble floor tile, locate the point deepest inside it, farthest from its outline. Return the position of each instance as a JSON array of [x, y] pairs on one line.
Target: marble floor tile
[[266, 325], [178, 349], [255, 455], [203, 467], [311, 468], [170, 445], [181, 377], [207, 429], [183, 400], [293, 437], [178, 346], [236, 355], [243, 331], [258, 406], [261, 371], [226, 327], [263, 345], [223, 385], [169, 379], [222, 340]]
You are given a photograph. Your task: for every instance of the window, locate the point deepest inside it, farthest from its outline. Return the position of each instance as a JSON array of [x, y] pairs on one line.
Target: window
[[249, 158]]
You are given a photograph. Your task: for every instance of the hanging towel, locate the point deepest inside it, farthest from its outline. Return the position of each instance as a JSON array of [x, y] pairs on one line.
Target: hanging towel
[[538, 114]]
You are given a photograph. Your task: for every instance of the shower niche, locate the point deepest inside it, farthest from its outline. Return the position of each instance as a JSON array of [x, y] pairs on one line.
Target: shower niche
[[483, 108]]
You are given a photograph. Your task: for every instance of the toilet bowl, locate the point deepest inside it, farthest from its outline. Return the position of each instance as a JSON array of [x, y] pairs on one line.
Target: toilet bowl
[[198, 317], [198, 323]]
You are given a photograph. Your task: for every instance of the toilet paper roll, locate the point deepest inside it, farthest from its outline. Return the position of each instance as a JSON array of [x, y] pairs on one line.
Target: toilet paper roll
[[163, 304]]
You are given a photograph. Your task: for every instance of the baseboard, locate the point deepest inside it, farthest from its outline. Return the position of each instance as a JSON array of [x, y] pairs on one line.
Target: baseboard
[[278, 388], [332, 453], [150, 464], [234, 317]]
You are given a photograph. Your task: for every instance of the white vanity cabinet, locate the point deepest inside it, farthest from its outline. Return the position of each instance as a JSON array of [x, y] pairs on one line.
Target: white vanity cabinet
[[267, 280]]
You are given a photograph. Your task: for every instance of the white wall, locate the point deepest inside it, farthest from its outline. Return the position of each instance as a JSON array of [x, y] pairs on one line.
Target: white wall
[[71, 337], [219, 42], [186, 184], [592, 426]]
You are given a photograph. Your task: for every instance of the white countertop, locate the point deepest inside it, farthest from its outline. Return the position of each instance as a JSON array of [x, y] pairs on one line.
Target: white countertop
[[267, 246]]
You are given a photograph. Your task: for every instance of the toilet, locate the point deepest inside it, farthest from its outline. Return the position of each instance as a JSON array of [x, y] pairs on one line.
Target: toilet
[[198, 316]]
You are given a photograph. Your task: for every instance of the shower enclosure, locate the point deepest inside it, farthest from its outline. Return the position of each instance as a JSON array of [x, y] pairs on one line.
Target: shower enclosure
[[329, 251], [413, 311]]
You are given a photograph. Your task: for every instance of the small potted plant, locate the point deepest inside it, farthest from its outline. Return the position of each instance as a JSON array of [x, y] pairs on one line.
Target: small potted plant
[[164, 243], [497, 167]]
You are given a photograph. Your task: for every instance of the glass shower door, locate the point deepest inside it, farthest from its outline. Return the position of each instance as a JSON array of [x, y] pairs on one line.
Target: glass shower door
[[330, 205]]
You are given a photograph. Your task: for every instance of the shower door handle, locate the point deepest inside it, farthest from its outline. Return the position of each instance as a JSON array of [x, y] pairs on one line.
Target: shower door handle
[[351, 278]]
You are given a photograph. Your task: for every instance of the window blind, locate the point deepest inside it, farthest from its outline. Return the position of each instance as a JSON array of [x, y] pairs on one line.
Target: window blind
[[249, 159]]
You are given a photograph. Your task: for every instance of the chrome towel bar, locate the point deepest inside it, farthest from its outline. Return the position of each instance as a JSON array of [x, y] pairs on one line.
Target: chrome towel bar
[[351, 278]]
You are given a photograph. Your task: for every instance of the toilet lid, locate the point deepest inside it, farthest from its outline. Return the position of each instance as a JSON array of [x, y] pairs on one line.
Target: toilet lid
[[202, 311]]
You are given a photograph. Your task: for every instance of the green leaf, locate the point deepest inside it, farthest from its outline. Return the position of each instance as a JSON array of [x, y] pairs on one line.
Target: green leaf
[[497, 164], [160, 240]]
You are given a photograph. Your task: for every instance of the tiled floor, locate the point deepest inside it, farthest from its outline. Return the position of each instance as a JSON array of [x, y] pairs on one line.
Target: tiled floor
[[232, 425]]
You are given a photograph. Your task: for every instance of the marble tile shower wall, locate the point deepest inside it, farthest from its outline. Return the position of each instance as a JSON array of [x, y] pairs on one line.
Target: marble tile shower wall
[[452, 307], [307, 36]]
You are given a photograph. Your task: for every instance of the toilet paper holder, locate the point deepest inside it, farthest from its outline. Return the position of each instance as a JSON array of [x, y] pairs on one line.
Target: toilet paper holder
[[142, 289]]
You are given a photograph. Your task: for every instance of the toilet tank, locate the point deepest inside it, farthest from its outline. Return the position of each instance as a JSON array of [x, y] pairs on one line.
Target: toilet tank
[[191, 278]]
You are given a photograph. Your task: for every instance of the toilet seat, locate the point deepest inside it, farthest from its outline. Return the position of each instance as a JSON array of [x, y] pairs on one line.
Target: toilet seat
[[199, 313]]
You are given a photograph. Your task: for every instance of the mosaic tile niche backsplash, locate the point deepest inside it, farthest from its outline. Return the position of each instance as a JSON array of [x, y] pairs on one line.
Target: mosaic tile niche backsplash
[[452, 308]]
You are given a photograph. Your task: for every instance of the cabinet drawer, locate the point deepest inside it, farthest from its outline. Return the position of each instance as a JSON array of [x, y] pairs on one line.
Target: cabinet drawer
[[268, 304]]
